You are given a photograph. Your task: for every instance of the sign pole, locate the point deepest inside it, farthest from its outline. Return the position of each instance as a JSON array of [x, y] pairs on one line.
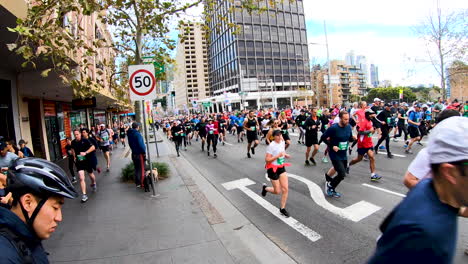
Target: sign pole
[[147, 148], [155, 140]]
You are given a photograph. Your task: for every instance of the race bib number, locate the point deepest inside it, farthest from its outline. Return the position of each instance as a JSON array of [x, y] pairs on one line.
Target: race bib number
[[326, 126], [177, 134], [285, 131], [211, 132], [280, 161], [183, 134], [343, 145], [388, 120], [105, 138], [253, 128], [80, 158], [303, 122]]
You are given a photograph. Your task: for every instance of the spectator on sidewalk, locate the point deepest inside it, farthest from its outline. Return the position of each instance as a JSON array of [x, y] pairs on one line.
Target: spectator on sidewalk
[[26, 151], [138, 147], [6, 157]]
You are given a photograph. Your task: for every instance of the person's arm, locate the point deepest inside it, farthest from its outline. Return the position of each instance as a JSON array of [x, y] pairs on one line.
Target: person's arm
[[141, 144], [410, 180], [245, 125], [270, 158], [91, 149], [268, 135]]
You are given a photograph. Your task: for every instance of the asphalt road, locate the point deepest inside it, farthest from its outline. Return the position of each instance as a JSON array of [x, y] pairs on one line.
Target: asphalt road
[[321, 229]]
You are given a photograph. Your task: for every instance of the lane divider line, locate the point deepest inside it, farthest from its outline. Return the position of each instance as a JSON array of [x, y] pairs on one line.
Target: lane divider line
[[383, 190]]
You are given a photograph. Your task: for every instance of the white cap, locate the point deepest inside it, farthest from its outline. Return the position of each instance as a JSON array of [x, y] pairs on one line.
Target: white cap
[[102, 125], [377, 99], [448, 141]]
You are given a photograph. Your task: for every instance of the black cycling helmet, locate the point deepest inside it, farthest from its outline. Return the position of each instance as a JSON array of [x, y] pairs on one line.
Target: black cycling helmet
[[40, 177]]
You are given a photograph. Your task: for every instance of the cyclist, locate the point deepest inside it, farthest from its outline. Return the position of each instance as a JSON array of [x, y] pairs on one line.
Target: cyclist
[[38, 188]]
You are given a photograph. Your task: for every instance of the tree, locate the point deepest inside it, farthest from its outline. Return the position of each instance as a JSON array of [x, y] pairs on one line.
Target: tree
[[446, 40], [390, 94]]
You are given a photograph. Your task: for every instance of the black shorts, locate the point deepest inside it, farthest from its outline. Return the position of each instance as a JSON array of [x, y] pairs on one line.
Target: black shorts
[[239, 129], [104, 148], [413, 131], [363, 151], [352, 122], [285, 136], [85, 165], [275, 175], [311, 140], [115, 137], [265, 132], [202, 135], [251, 136]]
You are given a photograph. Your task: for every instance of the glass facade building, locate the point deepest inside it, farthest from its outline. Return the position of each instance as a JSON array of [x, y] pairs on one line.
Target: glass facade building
[[267, 51]]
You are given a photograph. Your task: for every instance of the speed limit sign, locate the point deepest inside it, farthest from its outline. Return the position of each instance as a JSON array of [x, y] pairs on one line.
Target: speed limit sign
[[142, 82]]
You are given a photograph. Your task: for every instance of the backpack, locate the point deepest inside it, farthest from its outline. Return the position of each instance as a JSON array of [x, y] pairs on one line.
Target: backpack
[[23, 251]]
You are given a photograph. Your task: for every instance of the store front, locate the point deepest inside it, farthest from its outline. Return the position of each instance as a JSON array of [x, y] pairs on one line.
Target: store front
[[58, 127]]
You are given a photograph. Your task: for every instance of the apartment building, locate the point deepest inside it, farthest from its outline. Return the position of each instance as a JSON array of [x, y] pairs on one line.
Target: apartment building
[[457, 85], [191, 82]]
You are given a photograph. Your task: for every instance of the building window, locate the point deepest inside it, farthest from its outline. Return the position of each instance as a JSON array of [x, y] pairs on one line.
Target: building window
[[265, 33], [257, 32], [276, 50], [280, 17], [259, 48], [287, 19], [282, 34], [267, 49], [274, 33], [250, 48]]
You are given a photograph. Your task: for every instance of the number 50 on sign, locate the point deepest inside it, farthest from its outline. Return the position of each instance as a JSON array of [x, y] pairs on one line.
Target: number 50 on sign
[[142, 82]]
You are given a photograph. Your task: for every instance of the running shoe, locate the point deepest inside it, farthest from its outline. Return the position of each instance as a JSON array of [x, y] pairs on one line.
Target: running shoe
[[325, 160], [299, 142], [336, 194], [74, 180], [208, 152], [408, 151], [328, 189], [248, 155], [108, 169], [376, 177], [382, 147], [347, 169], [215, 155], [223, 143], [94, 187], [313, 161], [390, 155], [420, 144], [405, 146], [395, 140], [264, 191], [284, 212], [84, 198], [253, 150]]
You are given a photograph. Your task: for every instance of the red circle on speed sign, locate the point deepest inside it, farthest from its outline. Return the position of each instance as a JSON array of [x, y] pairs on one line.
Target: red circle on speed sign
[[153, 83]]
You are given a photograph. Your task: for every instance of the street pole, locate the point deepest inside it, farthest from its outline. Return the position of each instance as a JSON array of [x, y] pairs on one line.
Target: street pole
[[147, 148], [328, 59]]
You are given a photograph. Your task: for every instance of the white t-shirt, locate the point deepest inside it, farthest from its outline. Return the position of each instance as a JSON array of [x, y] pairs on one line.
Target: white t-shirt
[[275, 149], [336, 120], [420, 166], [264, 124]]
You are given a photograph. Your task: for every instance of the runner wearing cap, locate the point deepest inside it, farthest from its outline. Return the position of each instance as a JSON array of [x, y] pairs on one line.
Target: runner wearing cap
[[275, 165], [177, 134], [402, 117], [311, 125], [423, 227], [385, 118], [365, 145]]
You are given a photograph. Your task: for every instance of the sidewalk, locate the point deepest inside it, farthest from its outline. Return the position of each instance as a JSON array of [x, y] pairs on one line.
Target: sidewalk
[[189, 222]]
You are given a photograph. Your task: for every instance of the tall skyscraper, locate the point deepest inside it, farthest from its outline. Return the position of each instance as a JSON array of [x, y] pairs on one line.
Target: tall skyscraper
[[361, 62], [191, 81], [374, 75], [350, 59], [270, 53]]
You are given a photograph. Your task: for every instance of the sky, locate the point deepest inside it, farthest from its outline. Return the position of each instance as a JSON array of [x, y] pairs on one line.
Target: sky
[[380, 30]]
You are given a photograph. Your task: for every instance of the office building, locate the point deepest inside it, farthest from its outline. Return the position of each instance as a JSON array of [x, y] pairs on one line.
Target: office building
[[267, 62], [361, 62], [374, 75], [349, 58], [191, 71]]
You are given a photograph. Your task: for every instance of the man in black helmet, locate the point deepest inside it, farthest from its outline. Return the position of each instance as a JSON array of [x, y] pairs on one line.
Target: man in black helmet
[[36, 209]]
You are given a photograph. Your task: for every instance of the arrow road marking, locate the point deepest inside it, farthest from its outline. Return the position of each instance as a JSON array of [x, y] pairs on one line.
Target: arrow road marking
[[355, 212], [242, 184]]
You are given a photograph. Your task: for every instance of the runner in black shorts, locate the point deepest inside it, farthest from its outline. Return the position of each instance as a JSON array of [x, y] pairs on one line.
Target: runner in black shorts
[[251, 126], [284, 129], [122, 133], [202, 132], [82, 149], [274, 158], [311, 125]]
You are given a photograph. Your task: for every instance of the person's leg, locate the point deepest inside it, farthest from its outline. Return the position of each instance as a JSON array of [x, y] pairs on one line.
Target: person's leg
[[340, 167], [92, 177], [371, 156], [71, 163], [316, 148], [215, 143], [276, 189], [208, 143], [405, 131], [283, 180], [307, 153], [81, 174], [137, 165], [107, 156], [287, 144], [203, 140], [356, 160]]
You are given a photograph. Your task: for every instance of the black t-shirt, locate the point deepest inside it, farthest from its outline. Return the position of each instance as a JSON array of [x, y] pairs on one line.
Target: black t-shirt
[[177, 131], [386, 117], [309, 123], [401, 111], [82, 146], [201, 128], [300, 120]]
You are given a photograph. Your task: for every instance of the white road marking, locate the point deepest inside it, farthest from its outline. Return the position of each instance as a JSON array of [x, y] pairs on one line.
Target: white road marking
[[355, 212], [383, 190], [229, 144], [396, 155], [294, 134], [242, 184]]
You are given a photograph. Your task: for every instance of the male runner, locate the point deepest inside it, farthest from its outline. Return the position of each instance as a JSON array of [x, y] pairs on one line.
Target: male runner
[[337, 138], [201, 127], [212, 131], [177, 134], [365, 145], [251, 126], [82, 150], [402, 117], [311, 125], [385, 118], [103, 137], [414, 121], [285, 129], [300, 121]]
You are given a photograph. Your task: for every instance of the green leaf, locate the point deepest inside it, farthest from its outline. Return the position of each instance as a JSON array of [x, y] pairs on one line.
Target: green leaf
[[11, 46], [45, 73]]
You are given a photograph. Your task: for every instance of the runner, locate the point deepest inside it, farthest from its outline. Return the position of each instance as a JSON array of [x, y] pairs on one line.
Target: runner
[[385, 119], [300, 121], [71, 160], [251, 126], [402, 117], [176, 133], [365, 145], [83, 152], [311, 125], [359, 115], [265, 126], [115, 135], [337, 138], [188, 132], [284, 125], [201, 128], [239, 124], [103, 137], [222, 129], [275, 165], [212, 131], [274, 126], [414, 119]]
